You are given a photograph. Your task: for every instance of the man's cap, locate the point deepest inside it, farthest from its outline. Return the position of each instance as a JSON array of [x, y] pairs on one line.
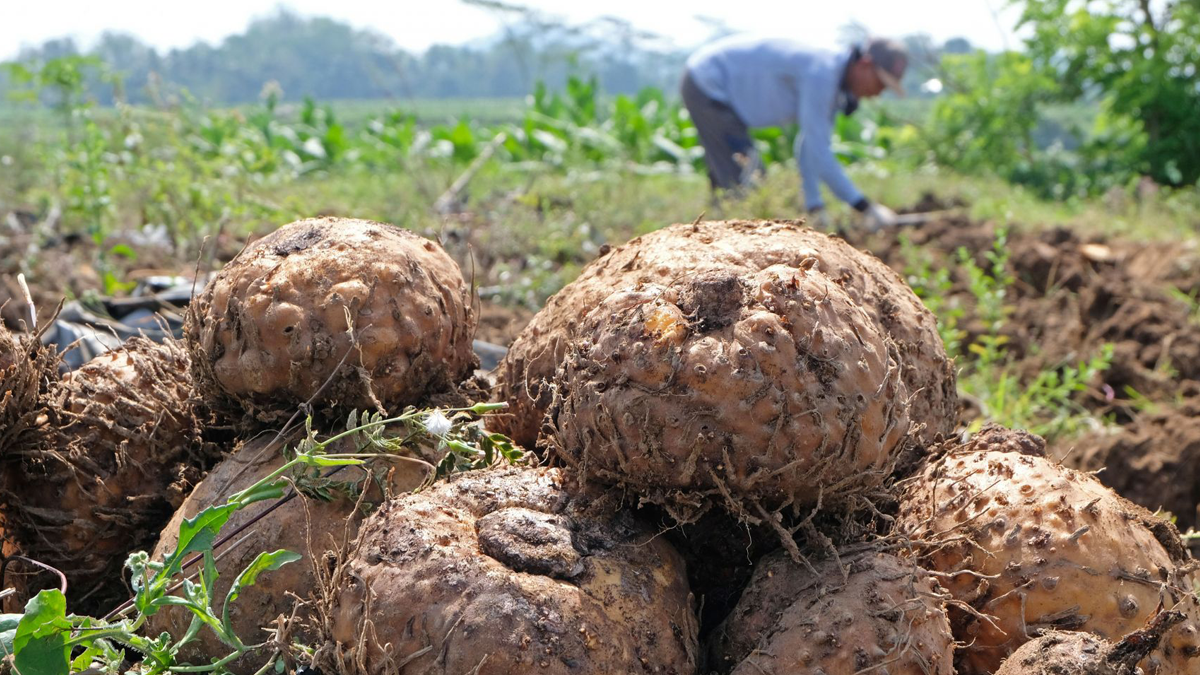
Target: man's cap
[[890, 59]]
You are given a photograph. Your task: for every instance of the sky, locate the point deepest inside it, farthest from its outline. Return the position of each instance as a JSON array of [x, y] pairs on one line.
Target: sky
[[417, 25]]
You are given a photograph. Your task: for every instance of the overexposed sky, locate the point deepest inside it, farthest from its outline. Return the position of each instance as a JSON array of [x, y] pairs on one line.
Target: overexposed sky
[[417, 25]]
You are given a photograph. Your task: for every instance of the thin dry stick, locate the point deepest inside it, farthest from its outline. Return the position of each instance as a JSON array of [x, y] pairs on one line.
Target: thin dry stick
[[62, 578], [28, 301]]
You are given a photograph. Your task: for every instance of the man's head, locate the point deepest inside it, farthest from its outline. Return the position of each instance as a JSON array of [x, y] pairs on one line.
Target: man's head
[[880, 67]]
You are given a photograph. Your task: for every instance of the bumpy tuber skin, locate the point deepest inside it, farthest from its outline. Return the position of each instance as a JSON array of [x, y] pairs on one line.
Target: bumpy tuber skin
[[271, 328], [304, 525], [125, 452], [880, 612], [509, 571], [758, 390], [1065, 653], [1034, 545], [1061, 653], [27, 371], [685, 250]]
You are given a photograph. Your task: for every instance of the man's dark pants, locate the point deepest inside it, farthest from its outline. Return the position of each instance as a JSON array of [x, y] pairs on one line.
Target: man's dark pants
[[728, 149]]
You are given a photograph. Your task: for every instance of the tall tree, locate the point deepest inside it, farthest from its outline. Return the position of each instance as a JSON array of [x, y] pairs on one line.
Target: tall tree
[[1142, 58]]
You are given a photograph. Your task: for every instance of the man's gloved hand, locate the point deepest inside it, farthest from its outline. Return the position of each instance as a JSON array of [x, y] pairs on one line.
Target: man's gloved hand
[[878, 217]]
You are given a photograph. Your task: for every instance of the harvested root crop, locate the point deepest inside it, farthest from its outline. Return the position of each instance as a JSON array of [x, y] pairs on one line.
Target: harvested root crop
[[1026, 544], [880, 612], [27, 370], [757, 391], [273, 330], [305, 525], [509, 571], [125, 451], [1064, 653], [685, 250]]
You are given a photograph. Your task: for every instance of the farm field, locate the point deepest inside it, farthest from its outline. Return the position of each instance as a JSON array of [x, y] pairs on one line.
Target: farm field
[[409, 374]]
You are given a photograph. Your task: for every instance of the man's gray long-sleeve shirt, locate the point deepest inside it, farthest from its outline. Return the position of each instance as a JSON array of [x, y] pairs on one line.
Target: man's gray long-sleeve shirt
[[773, 82]]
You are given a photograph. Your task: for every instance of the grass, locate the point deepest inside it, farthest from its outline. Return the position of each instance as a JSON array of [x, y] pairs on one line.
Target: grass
[[1165, 217]]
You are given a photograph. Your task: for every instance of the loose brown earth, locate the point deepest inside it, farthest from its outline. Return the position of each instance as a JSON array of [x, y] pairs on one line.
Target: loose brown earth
[[1073, 294]]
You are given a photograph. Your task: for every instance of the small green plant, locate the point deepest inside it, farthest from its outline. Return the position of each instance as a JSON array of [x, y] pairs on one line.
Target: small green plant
[[1189, 300], [1046, 405], [1140, 402], [46, 640], [990, 289], [933, 285]]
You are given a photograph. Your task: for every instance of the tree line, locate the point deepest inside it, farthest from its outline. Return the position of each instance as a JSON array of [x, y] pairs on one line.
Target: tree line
[[330, 60]]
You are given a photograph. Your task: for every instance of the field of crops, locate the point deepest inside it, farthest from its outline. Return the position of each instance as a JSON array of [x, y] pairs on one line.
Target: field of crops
[[574, 414]]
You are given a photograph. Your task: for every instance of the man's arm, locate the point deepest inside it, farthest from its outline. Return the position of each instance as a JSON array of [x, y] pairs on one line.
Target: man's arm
[[814, 151]]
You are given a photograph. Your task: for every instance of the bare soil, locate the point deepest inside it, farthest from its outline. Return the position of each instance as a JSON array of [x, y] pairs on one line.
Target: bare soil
[[1074, 293]]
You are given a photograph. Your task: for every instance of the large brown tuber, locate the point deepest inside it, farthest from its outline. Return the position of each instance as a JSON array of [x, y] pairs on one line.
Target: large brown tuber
[[122, 451], [508, 571], [877, 612], [682, 251], [756, 391], [304, 525], [1066, 653], [272, 330], [1027, 544]]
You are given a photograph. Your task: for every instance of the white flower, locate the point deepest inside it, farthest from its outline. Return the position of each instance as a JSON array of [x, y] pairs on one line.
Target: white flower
[[437, 424]]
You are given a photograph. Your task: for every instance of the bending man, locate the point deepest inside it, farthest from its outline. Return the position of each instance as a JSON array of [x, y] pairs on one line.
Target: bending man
[[740, 82]]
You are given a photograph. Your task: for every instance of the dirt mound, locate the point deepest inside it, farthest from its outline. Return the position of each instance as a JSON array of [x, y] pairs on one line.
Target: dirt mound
[[1071, 295], [1153, 461], [501, 324]]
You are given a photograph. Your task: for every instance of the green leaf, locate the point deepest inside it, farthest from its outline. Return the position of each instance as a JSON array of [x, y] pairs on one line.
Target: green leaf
[[86, 657], [258, 493], [322, 460], [113, 285], [199, 612], [8, 631], [265, 562], [197, 534], [124, 250], [208, 577], [40, 641]]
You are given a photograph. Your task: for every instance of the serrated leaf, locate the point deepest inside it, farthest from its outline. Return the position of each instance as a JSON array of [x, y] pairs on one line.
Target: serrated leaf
[[198, 534], [40, 641], [208, 577], [85, 658], [265, 562]]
